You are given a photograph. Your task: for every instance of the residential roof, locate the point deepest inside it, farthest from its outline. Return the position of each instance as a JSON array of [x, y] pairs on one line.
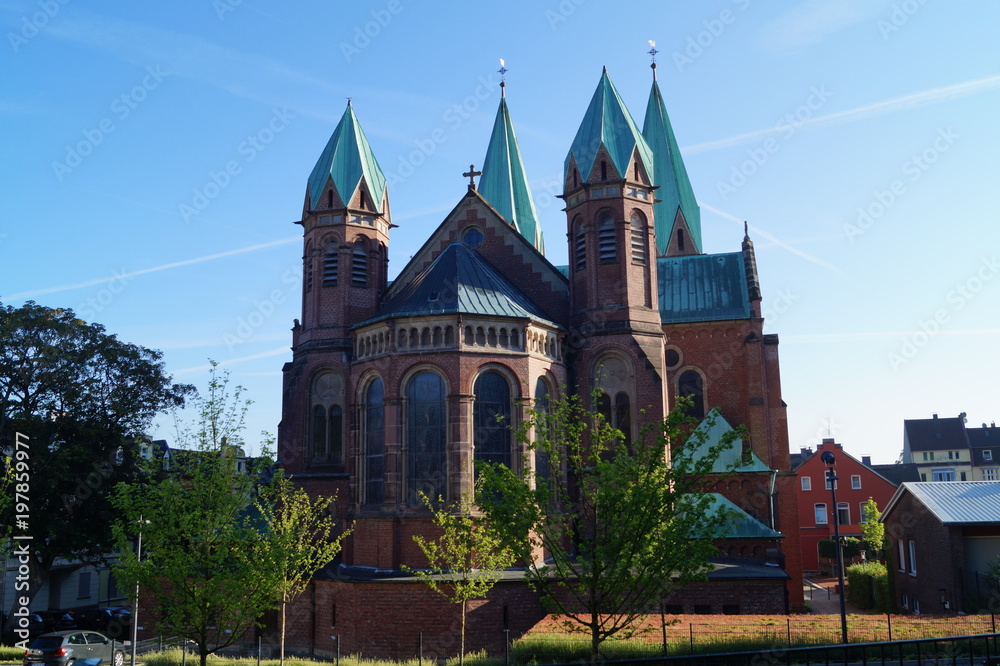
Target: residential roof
[[935, 434], [347, 159], [702, 287], [898, 473], [459, 281], [504, 183], [607, 123], [675, 191], [983, 438], [955, 502]]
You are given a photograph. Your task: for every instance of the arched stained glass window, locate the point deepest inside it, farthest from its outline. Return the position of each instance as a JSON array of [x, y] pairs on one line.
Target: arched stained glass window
[[491, 419], [689, 385], [326, 419], [426, 437], [375, 443]]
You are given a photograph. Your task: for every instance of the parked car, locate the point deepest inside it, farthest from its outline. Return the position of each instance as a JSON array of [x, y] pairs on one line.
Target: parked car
[[93, 618], [36, 625], [58, 620], [63, 648], [123, 613]]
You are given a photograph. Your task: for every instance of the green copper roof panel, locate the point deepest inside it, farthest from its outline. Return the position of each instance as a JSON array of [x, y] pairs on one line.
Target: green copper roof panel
[[741, 525], [608, 123], [675, 187], [460, 281], [731, 459], [504, 183], [702, 287], [347, 159]]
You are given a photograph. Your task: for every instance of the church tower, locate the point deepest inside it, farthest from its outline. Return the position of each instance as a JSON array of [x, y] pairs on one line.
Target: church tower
[[345, 223], [609, 194]]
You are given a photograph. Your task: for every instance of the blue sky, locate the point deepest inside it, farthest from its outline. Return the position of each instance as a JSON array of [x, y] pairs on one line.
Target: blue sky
[[156, 157]]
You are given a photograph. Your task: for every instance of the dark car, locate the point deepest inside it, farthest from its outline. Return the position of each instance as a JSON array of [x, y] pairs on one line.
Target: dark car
[[58, 620], [93, 618], [82, 648], [36, 625]]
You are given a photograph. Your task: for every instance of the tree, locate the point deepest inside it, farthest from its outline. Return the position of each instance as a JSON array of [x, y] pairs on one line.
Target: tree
[[623, 523], [80, 397], [872, 530], [201, 540], [466, 560], [298, 541]]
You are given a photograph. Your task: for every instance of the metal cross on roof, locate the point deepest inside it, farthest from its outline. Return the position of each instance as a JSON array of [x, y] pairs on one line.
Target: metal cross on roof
[[471, 175]]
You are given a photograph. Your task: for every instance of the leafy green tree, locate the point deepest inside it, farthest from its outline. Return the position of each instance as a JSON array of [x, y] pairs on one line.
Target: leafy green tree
[[81, 397], [622, 523], [201, 539], [299, 540], [466, 560], [872, 530]]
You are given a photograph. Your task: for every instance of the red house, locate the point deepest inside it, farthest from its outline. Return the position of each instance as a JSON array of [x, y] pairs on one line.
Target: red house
[[856, 483]]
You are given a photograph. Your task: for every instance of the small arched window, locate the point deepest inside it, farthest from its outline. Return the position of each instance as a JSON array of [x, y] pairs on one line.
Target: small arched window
[[690, 385], [604, 170], [637, 229], [426, 437], [329, 198], [680, 239], [491, 419]]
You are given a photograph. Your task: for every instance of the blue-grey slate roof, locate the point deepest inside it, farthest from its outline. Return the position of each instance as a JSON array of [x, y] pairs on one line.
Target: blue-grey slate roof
[[935, 434], [459, 281], [702, 287], [957, 502]]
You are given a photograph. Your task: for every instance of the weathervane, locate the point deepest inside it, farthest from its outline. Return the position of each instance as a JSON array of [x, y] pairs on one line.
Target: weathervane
[[652, 55], [503, 75]]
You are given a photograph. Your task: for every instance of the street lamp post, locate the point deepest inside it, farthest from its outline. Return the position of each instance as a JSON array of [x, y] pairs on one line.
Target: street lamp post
[[135, 602], [831, 478]]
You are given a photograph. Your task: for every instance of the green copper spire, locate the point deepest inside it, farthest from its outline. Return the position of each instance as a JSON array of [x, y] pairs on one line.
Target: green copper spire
[[347, 159], [674, 191], [504, 183], [608, 123]]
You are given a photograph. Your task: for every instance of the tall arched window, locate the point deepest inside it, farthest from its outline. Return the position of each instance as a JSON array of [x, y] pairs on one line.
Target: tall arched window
[[579, 244], [637, 227], [375, 443], [491, 419], [613, 376], [607, 248], [426, 437], [623, 416], [326, 437], [330, 261], [359, 265], [689, 385], [307, 267], [543, 461]]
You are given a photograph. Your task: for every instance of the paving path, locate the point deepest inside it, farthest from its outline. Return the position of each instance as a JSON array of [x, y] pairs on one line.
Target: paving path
[[821, 597]]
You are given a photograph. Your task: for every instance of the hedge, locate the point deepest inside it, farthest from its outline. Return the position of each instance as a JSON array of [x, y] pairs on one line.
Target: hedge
[[868, 587]]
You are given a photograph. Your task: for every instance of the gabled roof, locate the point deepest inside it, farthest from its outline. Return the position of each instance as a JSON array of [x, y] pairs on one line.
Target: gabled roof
[[459, 281], [608, 123], [898, 473], [504, 183], [702, 287], [983, 438], [730, 459], [671, 176], [955, 502], [935, 434], [347, 159]]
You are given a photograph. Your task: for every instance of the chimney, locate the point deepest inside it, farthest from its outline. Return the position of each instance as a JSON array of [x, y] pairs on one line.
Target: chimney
[[935, 416], [866, 461]]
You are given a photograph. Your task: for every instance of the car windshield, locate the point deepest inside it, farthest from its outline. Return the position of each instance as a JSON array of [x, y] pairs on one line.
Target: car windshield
[[46, 643]]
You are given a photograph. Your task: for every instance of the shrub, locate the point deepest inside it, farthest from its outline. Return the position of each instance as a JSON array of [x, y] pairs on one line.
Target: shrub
[[868, 587], [828, 548]]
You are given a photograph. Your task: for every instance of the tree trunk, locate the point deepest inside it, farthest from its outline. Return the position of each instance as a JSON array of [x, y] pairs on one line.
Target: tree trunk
[[595, 639], [461, 647], [281, 650]]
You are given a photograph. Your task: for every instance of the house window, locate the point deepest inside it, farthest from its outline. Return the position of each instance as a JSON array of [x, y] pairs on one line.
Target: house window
[[855, 481], [375, 443], [913, 558], [990, 474], [961, 476], [491, 419], [861, 512], [84, 583], [925, 456], [916, 607], [426, 437], [820, 512], [905, 603], [900, 555], [843, 513], [826, 478], [806, 483], [607, 247], [987, 455], [923, 477], [942, 475]]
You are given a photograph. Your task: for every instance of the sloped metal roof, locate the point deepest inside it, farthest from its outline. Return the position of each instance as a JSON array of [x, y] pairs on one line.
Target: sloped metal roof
[[702, 287], [958, 502], [459, 281], [675, 187], [740, 524], [347, 158], [608, 123], [730, 459], [504, 183]]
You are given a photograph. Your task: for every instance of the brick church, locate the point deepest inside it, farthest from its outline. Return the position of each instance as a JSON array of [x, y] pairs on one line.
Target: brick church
[[394, 386]]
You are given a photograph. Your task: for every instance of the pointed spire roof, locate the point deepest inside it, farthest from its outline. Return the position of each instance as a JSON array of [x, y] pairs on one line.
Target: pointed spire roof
[[504, 183], [347, 158], [675, 188], [608, 123]]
